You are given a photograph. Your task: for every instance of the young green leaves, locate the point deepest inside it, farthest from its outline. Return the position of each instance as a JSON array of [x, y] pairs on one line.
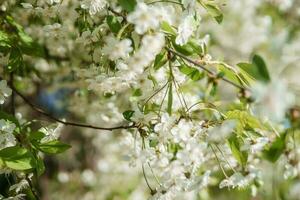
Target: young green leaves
[[257, 69], [213, 9]]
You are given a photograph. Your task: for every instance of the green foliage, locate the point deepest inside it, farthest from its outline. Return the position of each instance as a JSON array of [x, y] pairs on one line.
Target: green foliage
[[5, 41], [17, 43], [127, 5], [191, 48], [15, 60], [17, 158], [113, 23], [192, 73], [160, 60], [26, 44], [213, 10], [52, 147], [165, 26], [238, 78], [275, 150], [244, 120], [128, 114], [257, 69], [235, 146]]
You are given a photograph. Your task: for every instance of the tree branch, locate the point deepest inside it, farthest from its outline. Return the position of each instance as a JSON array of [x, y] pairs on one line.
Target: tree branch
[[204, 68], [68, 123]]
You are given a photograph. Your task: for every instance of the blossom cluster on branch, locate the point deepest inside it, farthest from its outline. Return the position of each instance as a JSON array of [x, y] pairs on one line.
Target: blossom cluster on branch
[[163, 109]]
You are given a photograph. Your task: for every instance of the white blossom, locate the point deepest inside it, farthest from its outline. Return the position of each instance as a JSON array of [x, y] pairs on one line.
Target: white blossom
[[220, 133], [7, 138], [185, 30], [5, 91], [94, 6], [116, 49], [51, 133], [143, 18], [51, 2], [272, 100]]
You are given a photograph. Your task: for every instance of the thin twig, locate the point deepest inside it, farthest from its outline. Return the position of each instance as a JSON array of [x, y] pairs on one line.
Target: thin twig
[[68, 123], [155, 93], [225, 158], [204, 68], [116, 13], [220, 165]]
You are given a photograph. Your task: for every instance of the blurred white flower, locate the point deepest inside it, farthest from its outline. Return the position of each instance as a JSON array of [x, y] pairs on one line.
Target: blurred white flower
[[7, 138], [27, 5], [88, 177], [23, 184], [116, 49], [236, 180], [143, 18], [185, 30], [94, 6], [63, 177], [51, 133], [255, 145], [5, 91], [222, 132], [163, 128], [182, 131], [51, 2], [272, 100]]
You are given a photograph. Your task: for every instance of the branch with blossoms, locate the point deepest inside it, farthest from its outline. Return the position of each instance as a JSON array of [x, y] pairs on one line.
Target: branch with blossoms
[[142, 69], [207, 70], [68, 123]]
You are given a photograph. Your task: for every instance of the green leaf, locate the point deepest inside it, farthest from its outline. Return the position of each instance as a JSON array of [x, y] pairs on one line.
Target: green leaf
[[153, 143], [17, 158], [15, 60], [113, 23], [165, 26], [245, 120], [128, 114], [275, 150], [199, 50], [186, 49], [257, 69], [191, 72], [170, 98], [214, 89], [27, 44], [128, 5], [160, 60], [214, 11], [240, 156], [229, 74], [261, 66], [40, 167], [36, 136], [52, 147], [137, 92], [150, 107], [4, 40]]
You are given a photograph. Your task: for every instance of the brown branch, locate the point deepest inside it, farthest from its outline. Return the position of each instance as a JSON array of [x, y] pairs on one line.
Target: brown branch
[[205, 69], [116, 13], [68, 123]]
